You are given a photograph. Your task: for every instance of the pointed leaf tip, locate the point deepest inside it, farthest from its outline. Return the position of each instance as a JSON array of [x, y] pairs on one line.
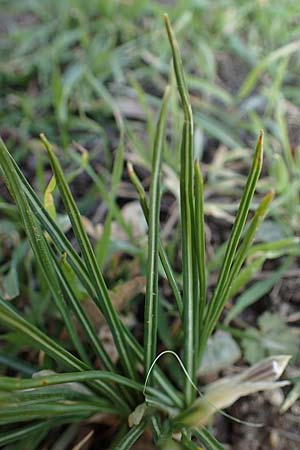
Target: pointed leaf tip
[[259, 148], [46, 143], [265, 202], [130, 169], [260, 142], [260, 138], [169, 30], [43, 138]]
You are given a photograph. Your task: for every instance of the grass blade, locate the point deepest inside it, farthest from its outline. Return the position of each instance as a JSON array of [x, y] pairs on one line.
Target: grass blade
[[86, 323], [233, 242], [39, 246], [16, 364], [49, 225], [100, 89], [10, 384], [241, 256], [151, 299], [83, 318], [187, 270], [105, 195], [45, 394], [207, 439], [78, 410], [13, 320], [159, 376], [103, 243], [187, 444], [102, 299], [190, 300], [131, 437], [65, 247], [253, 76], [162, 253], [200, 244], [13, 384], [21, 433]]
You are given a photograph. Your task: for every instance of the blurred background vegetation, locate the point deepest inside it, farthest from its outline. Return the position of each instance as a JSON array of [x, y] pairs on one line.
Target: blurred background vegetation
[[66, 66]]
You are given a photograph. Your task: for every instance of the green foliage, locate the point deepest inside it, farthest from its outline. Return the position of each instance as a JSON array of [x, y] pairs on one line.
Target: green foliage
[[71, 267], [273, 337], [292, 396]]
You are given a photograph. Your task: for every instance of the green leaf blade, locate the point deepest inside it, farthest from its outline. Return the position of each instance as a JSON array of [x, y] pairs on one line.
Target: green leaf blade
[[189, 271], [151, 300], [102, 299]]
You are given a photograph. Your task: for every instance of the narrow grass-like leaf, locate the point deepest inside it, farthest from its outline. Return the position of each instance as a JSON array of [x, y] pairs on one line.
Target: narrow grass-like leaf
[[284, 134], [85, 322], [208, 440], [247, 241], [79, 410], [151, 298], [102, 245], [162, 253], [240, 257], [217, 129], [233, 242], [105, 195], [291, 397], [188, 265], [46, 394], [13, 384], [21, 433], [103, 300], [83, 319], [54, 231], [253, 76], [121, 334], [39, 245], [159, 375], [246, 274], [156, 427], [276, 249], [190, 274], [10, 384], [172, 444], [131, 437], [200, 244], [11, 319], [16, 364], [179, 73], [187, 444], [64, 246]]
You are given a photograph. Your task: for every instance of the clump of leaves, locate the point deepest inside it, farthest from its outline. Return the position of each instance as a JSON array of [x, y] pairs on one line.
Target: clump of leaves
[[135, 392]]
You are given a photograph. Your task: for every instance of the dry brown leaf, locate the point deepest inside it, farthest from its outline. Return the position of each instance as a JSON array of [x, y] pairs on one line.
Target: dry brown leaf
[[120, 296]]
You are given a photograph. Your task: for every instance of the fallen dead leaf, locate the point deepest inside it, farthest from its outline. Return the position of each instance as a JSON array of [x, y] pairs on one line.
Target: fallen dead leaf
[[120, 296]]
